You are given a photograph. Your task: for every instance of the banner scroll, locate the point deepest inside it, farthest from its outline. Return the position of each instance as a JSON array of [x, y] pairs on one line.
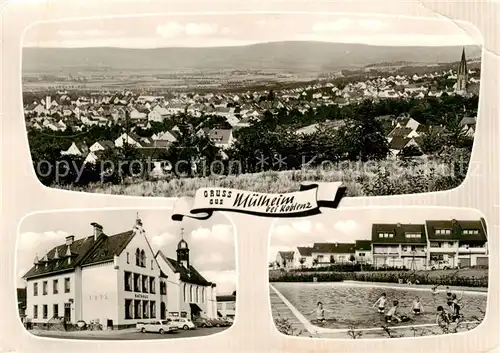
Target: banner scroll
[[305, 202]]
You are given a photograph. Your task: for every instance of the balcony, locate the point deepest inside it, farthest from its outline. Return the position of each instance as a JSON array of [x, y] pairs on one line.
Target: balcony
[[415, 253], [465, 251], [443, 250]]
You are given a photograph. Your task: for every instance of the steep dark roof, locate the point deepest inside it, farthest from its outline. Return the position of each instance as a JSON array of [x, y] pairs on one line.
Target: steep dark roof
[[457, 227], [365, 245], [400, 132], [304, 250], [334, 248], [286, 255], [78, 250], [226, 298], [399, 231], [398, 143], [84, 252], [107, 247], [187, 275]]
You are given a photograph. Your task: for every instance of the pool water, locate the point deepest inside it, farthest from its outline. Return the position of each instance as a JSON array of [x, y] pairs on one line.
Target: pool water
[[348, 306]]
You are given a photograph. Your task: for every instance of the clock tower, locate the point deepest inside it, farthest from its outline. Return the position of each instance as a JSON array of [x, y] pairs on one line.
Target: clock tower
[[183, 251]]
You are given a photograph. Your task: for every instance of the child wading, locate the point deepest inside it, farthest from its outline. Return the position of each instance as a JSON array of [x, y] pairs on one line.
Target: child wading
[[392, 313], [442, 318], [320, 313], [417, 306], [380, 303]]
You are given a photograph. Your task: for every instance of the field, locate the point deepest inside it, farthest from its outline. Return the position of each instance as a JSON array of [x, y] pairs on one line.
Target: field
[[388, 177]]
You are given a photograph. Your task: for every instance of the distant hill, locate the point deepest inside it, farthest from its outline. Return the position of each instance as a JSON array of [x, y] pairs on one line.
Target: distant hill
[[288, 56]]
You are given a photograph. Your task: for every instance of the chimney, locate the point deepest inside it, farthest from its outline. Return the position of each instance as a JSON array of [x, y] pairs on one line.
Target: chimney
[[399, 225], [116, 262], [97, 230], [70, 239]]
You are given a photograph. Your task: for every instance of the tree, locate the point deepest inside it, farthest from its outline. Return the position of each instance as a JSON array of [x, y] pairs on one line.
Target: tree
[[410, 151], [302, 261], [315, 261], [352, 258], [431, 142]]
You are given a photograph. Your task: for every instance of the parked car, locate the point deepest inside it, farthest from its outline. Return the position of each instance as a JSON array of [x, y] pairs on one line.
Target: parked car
[[201, 322], [216, 322], [184, 323], [163, 326], [227, 321]]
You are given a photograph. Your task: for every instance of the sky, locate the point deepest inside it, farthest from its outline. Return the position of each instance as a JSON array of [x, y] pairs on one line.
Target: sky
[[350, 224], [211, 242], [244, 29]]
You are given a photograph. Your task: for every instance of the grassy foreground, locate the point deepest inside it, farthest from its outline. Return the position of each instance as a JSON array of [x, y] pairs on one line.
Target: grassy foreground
[[388, 177]]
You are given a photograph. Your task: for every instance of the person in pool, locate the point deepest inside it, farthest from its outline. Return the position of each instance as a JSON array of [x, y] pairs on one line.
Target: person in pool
[[417, 307], [380, 303], [392, 314], [320, 313], [442, 317]]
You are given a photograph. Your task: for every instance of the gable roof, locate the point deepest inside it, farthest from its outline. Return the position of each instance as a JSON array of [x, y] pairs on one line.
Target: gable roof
[[365, 245], [400, 132], [286, 255], [457, 227], [84, 252], [190, 275], [305, 250], [220, 135], [334, 248], [399, 231], [398, 143], [107, 248]]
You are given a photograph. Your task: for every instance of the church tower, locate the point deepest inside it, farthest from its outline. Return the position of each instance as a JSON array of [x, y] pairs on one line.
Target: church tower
[[462, 75], [183, 251]]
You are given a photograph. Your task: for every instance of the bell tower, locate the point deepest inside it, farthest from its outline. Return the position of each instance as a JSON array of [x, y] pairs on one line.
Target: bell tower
[[462, 75], [183, 251]]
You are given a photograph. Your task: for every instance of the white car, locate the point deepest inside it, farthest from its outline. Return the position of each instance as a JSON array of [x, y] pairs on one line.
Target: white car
[[160, 326], [184, 324]]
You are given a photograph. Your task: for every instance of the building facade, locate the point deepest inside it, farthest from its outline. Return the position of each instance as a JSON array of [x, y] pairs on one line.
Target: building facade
[[284, 259], [331, 253], [226, 306], [115, 281], [190, 294], [455, 243]]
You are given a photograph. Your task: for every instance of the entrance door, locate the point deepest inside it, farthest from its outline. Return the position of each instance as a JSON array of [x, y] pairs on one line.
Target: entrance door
[[109, 323], [67, 312]]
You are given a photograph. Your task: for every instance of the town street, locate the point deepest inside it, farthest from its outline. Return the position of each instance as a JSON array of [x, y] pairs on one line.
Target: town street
[[128, 334]]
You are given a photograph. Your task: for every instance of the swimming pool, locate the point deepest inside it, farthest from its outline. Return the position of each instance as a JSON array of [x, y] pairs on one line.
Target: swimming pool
[[349, 305]]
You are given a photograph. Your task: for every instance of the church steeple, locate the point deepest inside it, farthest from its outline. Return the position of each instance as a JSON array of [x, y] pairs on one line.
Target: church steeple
[[183, 251], [462, 74]]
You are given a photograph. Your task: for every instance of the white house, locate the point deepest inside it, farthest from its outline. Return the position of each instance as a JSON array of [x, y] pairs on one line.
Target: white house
[[302, 257], [130, 138], [102, 145], [76, 149], [331, 253], [457, 243], [113, 280], [284, 259], [226, 305], [363, 252], [222, 138], [191, 295]]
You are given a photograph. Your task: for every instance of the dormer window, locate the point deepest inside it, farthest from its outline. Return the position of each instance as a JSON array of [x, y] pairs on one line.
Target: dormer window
[[413, 235], [443, 231], [386, 235]]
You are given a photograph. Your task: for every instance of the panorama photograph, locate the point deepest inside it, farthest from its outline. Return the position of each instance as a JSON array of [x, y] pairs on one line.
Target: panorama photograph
[[379, 273], [165, 105], [125, 275]]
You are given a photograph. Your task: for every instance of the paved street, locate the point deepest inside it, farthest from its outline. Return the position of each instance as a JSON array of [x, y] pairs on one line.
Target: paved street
[[129, 334]]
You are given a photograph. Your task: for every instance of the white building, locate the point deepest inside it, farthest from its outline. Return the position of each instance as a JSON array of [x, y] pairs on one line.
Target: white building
[[190, 294], [226, 305], [109, 279], [302, 257], [363, 253], [284, 259]]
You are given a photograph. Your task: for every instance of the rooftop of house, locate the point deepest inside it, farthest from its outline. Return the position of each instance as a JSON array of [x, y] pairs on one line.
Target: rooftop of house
[[334, 248], [226, 298], [286, 255], [83, 252], [400, 233], [188, 275], [364, 245], [457, 230], [304, 250]]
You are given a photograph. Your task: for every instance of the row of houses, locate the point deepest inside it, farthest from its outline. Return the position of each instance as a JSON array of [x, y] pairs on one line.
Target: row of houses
[[116, 280], [434, 244]]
